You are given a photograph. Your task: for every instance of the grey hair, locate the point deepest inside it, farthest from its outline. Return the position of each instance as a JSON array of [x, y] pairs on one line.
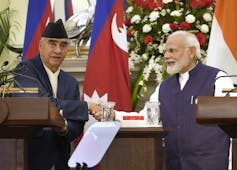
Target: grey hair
[[190, 39]]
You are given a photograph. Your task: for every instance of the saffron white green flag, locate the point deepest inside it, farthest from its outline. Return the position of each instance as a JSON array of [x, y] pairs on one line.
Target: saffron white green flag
[[222, 50]]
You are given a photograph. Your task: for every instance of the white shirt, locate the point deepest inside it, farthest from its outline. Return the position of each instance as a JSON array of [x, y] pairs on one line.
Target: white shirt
[[53, 78]]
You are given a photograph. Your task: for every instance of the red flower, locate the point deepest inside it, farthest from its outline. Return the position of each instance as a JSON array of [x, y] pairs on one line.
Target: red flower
[[209, 3], [201, 3], [148, 39], [196, 3], [130, 33], [149, 4], [174, 27], [201, 38], [154, 4], [128, 22], [142, 3], [184, 25]]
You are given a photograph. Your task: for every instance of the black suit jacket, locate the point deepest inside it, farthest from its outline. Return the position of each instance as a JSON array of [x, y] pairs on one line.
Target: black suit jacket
[[47, 148]]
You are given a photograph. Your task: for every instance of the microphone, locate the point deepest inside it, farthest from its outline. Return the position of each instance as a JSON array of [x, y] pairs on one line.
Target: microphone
[[5, 63], [16, 74], [233, 75], [5, 73], [25, 76], [4, 80]]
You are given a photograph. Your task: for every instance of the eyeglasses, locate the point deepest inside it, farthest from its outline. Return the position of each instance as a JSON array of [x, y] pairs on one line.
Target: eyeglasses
[[54, 43], [173, 50]]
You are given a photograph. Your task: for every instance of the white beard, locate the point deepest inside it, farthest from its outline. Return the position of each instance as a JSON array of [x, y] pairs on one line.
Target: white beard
[[173, 69], [178, 66]]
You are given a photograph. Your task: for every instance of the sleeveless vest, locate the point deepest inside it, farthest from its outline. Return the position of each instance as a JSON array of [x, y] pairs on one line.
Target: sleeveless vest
[[189, 145]]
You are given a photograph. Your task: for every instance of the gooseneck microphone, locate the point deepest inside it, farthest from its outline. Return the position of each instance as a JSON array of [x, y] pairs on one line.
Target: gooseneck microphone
[[26, 76], [17, 72], [229, 90], [4, 74], [5, 63], [233, 75]]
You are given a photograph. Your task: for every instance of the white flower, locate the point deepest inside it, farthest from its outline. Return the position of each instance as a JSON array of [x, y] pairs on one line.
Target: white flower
[[166, 28], [176, 13], [146, 73], [145, 56], [146, 28], [190, 18], [167, 1], [134, 57], [129, 9], [163, 12], [204, 28], [161, 48], [154, 15], [207, 17], [136, 19], [141, 83], [148, 59]]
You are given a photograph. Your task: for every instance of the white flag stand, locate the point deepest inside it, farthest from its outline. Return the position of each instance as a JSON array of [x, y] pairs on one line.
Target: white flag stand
[[94, 144]]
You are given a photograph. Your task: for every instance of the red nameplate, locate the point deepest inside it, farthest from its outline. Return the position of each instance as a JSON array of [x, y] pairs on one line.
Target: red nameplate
[[133, 117]]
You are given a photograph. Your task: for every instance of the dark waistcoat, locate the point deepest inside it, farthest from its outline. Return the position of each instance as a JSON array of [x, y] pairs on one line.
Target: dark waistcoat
[[189, 145]]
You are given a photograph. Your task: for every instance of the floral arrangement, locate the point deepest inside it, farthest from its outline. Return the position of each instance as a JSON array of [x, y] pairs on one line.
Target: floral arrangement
[[149, 22]]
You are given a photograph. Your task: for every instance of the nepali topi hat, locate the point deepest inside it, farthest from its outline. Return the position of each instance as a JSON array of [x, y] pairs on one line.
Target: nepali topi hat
[[55, 30]]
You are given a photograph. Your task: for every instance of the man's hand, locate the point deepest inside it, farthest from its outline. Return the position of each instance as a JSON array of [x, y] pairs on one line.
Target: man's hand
[[63, 130], [94, 107], [98, 115]]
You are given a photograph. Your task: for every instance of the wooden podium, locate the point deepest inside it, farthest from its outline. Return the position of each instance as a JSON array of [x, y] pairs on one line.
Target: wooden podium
[[221, 111], [139, 148], [20, 118]]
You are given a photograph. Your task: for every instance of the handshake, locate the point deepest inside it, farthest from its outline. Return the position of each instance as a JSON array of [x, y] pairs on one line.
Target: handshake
[[102, 111]]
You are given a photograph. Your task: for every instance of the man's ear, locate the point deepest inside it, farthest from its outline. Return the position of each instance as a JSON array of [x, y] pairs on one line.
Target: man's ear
[[40, 44], [193, 51]]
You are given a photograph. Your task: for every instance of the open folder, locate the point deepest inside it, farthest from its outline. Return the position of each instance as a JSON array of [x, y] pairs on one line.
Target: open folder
[[94, 144]]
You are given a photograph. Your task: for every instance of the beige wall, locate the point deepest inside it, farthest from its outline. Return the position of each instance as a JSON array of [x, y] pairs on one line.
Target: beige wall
[[4, 4], [18, 14], [18, 9]]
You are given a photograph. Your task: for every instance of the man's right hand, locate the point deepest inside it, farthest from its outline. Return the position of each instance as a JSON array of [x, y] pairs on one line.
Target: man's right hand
[[94, 107]]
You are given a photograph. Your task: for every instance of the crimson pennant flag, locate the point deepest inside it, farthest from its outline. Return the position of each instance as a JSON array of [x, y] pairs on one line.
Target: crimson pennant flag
[[38, 15], [107, 75]]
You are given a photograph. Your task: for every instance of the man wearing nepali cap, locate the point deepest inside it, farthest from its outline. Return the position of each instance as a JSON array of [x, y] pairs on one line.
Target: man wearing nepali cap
[[50, 147]]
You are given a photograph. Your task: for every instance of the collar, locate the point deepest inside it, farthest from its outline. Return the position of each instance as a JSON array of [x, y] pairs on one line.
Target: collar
[[183, 78], [50, 73]]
